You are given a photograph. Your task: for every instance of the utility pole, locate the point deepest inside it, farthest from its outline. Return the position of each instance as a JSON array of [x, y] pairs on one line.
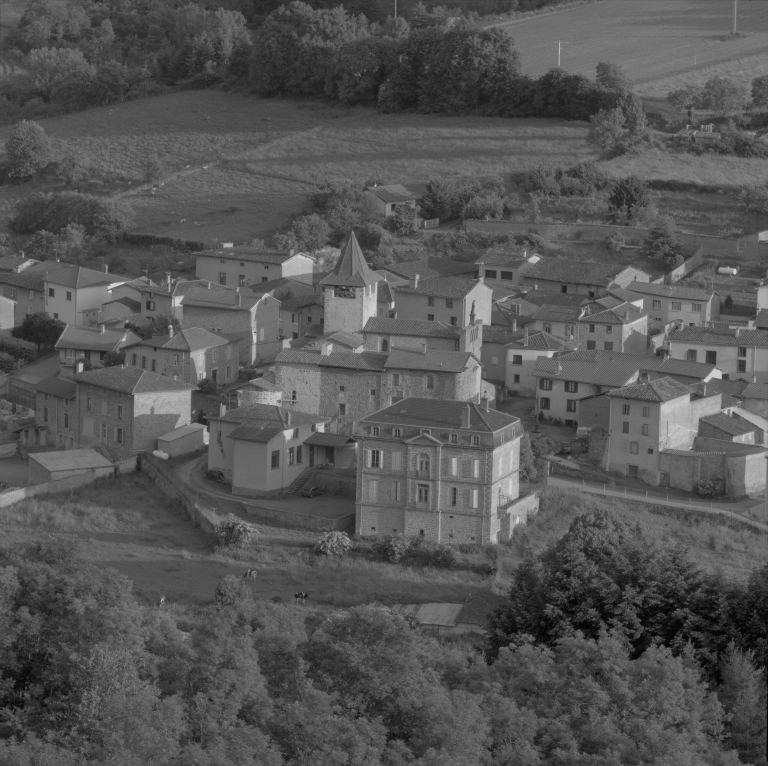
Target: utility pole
[[735, 11], [396, 9], [560, 44]]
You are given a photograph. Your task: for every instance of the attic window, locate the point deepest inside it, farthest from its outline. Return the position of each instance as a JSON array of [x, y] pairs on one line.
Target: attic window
[[375, 430], [397, 433], [475, 441], [426, 432]]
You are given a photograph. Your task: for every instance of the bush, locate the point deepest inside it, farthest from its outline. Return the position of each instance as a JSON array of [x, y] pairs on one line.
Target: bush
[[391, 548], [232, 590], [207, 386], [7, 363], [233, 532], [710, 487], [333, 544]]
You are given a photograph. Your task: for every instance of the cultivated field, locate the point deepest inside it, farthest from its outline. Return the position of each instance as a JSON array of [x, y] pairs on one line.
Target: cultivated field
[[742, 72], [650, 39]]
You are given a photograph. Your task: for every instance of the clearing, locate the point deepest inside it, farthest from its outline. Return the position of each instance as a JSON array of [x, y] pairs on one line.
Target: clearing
[[650, 39]]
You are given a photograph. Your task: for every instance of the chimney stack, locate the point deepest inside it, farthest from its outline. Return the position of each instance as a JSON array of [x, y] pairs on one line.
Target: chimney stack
[[424, 347], [465, 412], [414, 282], [79, 365], [238, 300], [102, 329], [170, 330], [288, 417], [168, 280], [525, 337], [487, 405], [106, 268], [326, 348]]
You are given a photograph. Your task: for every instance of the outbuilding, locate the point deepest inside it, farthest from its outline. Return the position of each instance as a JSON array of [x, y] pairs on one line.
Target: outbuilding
[[54, 466], [182, 441]]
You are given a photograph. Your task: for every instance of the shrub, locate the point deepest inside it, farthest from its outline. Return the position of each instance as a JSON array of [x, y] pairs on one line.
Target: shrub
[[391, 548], [207, 386], [233, 532], [7, 363], [615, 242], [710, 487], [232, 590], [333, 544]]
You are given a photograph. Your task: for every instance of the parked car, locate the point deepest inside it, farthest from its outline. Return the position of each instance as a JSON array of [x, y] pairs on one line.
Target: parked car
[[565, 448], [312, 491]]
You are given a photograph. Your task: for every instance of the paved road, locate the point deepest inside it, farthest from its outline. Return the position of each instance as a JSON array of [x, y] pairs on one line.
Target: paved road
[[731, 510]]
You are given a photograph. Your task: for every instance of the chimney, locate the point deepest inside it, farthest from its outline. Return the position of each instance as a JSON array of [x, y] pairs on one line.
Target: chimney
[[102, 329], [170, 330], [168, 280], [738, 331], [559, 367], [481, 279], [106, 268], [487, 405], [525, 337], [238, 300], [465, 411], [414, 282], [222, 409], [326, 348], [424, 347], [291, 251], [79, 365], [288, 417]]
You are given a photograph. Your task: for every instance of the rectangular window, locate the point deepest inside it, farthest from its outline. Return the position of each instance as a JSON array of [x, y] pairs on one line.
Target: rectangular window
[[676, 306], [650, 450], [711, 357], [454, 438], [66, 420], [88, 404], [454, 322], [591, 328], [625, 409], [475, 441], [741, 365], [215, 355], [448, 303], [454, 495], [568, 330], [656, 304], [395, 490], [150, 305], [545, 384], [516, 379], [430, 381], [563, 288], [570, 405], [632, 471], [571, 386], [430, 301], [591, 345], [229, 371], [430, 317], [609, 330], [375, 431], [51, 292], [517, 358], [153, 365], [143, 362], [422, 493], [490, 273], [548, 328], [634, 448], [374, 458], [645, 429], [119, 411], [276, 459], [454, 466], [119, 435], [222, 277], [104, 433], [133, 360], [397, 433], [544, 403], [508, 275], [371, 392], [69, 295], [395, 380], [45, 414], [742, 350], [342, 389], [690, 355], [397, 461], [298, 454], [474, 498], [342, 410], [696, 307], [291, 455], [625, 427], [608, 346], [646, 412], [475, 469]]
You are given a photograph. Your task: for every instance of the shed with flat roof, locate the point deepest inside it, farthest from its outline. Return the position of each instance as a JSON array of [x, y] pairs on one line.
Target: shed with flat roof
[[182, 441], [54, 466]]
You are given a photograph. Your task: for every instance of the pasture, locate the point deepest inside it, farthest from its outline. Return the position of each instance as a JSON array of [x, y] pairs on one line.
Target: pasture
[[650, 39]]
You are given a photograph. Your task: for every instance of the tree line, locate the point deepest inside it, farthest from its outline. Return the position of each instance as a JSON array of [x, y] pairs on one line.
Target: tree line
[[89, 675]]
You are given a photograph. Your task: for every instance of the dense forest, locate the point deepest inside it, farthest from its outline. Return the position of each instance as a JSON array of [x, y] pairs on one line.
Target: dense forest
[[611, 651]]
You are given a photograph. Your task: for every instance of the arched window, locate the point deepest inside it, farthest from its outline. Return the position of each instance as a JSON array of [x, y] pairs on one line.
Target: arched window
[[385, 345], [423, 463]]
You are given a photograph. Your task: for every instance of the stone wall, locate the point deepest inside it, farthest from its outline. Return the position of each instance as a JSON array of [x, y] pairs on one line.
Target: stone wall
[[518, 513]]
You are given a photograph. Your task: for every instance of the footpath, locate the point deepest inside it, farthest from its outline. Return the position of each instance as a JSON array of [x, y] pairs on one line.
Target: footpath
[[735, 511]]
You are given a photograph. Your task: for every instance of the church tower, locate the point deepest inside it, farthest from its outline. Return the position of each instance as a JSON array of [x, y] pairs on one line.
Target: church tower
[[351, 291]]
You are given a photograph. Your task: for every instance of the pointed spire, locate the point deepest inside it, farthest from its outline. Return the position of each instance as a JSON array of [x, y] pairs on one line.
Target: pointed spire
[[352, 261]]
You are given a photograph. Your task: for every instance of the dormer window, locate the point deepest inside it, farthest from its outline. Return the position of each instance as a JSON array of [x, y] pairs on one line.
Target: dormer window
[[475, 441], [375, 431], [454, 438], [397, 433]]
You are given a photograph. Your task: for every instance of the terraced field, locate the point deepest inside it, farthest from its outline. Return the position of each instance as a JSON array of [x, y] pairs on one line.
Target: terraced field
[[650, 39]]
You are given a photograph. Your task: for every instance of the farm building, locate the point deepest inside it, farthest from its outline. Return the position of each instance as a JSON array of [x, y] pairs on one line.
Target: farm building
[[54, 466], [386, 198], [182, 441]]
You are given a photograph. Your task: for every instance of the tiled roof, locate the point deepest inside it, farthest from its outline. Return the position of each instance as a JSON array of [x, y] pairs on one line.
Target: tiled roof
[[182, 287], [606, 302], [670, 291], [440, 287], [24, 279], [711, 337], [539, 341], [502, 335], [302, 301], [729, 425], [761, 319], [573, 271], [247, 254], [429, 266], [548, 313], [625, 295], [195, 339], [345, 339], [129, 380], [351, 269], [12, 262], [76, 276], [262, 422], [132, 304], [432, 361], [445, 413], [624, 313], [392, 193], [415, 327], [92, 339], [367, 360], [509, 258], [661, 390], [61, 387], [298, 356], [228, 300], [755, 391], [540, 297]]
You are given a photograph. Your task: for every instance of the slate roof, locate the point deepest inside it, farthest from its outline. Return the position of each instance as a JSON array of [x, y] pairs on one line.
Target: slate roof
[[428, 266], [729, 425], [392, 193], [384, 292], [439, 287], [61, 387], [444, 413], [413, 327], [129, 380], [670, 291], [351, 270], [223, 300], [712, 337], [344, 339], [574, 271], [248, 254], [76, 276], [432, 361], [661, 390], [548, 313], [12, 262], [92, 339]]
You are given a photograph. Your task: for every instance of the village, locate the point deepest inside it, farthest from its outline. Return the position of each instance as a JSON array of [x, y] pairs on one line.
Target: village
[[403, 400]]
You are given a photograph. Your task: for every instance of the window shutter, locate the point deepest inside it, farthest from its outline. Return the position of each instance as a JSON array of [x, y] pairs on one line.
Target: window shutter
[[454, 466], [367, 458]]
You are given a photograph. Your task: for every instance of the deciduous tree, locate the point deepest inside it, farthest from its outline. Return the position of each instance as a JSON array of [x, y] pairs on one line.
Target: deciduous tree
[[41, 329], [606, 128], [629, 196], [28, 149], [611, 76]]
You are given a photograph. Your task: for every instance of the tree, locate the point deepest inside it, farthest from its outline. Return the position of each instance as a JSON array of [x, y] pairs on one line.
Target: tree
[[528, 471], [208, 387], [687, 98], [663, 243], [113, 358], [308, 233], [333, 544], [629, 196], [28, 149], [742, 694], [760, 92], [754, 198], [40, 329], [634, 114], [7, 363], [606, 128], [403, 220], [153, 169], [440, 200], [723, 95], [611, 76], [233, 532]]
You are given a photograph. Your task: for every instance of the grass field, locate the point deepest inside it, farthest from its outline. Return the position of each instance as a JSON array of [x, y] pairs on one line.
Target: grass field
[[650, 39], [741, 71]]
